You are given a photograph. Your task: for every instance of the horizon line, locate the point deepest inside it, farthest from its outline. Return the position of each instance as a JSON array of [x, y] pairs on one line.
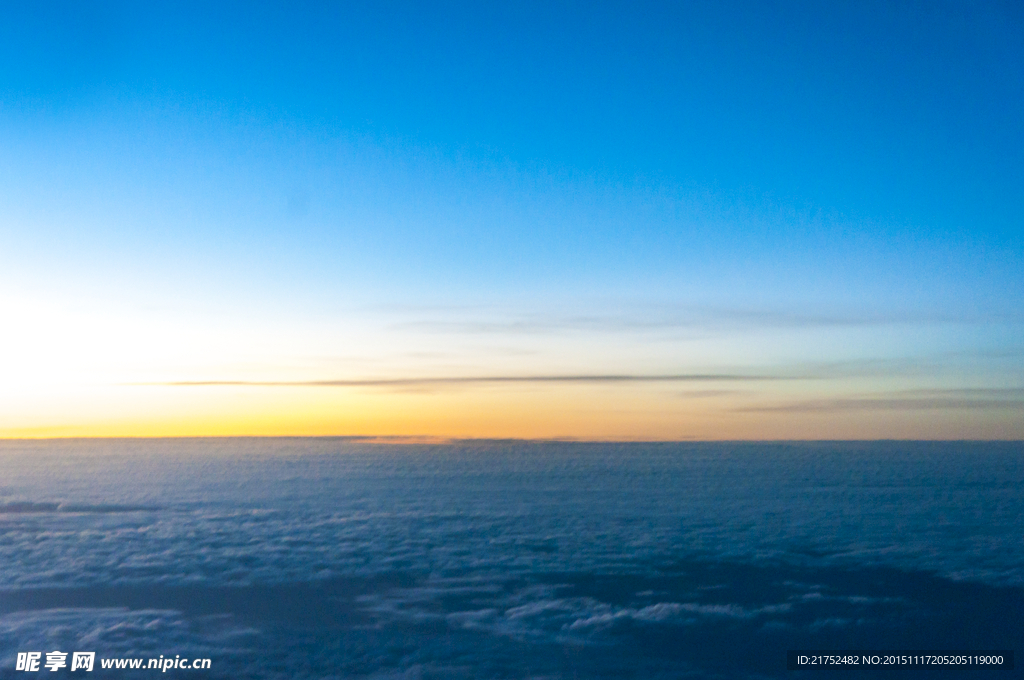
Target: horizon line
[[417, 439]]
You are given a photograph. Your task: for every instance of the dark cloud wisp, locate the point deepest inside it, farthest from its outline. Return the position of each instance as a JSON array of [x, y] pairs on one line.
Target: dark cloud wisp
[[441, 381]]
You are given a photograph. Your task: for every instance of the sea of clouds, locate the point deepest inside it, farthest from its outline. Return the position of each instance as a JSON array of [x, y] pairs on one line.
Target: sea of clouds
[[344, 558]]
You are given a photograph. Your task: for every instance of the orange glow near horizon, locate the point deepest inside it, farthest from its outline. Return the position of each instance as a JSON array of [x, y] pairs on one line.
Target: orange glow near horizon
[[623, 412], [77, 371]]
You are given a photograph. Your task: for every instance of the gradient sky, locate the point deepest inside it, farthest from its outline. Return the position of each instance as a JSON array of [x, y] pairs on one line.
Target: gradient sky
[[597, 220]]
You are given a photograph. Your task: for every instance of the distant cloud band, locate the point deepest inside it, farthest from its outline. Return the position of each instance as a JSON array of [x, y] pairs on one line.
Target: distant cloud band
[[908, 400], [472, 380]]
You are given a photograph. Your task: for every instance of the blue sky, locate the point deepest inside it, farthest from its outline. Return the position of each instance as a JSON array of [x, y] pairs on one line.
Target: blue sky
[[458, 190]]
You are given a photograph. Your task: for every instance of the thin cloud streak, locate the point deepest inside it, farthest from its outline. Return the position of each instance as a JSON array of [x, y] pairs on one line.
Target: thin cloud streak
[[910, 400], [474, 380], [692, 319]]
